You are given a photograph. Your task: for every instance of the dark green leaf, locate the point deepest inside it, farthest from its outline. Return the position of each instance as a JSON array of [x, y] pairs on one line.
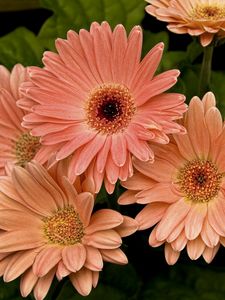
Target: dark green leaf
[[218, 88], [70, 14], [20, 46], [151, 39]]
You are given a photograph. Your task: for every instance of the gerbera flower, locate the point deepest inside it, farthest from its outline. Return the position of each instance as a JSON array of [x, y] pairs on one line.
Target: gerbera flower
[[185, 188], [96, 101], [205, 18], [17, 146], [40, 219]]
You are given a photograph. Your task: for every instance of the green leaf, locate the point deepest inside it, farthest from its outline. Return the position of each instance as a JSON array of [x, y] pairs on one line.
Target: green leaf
[[173, 59], [218, 88], [151, 39], [70, 14], [20, 46]]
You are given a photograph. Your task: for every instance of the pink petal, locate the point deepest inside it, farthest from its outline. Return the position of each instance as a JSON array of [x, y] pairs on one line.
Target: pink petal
[[9, 220], [138, 182], [88, 153], [84, 203], [158, 85], [173, 216], [132, 55], [128, 227], [94, 260], [214, 123], [195, 116], [216, 215], [195, 248], [208, 234], [180, 242], [209, 253], [176, 233], [107, 239], [150, 215], [81, 139], [119, 149], [104, 219], [171, 256], [82, 281], [27, 282], [43, 264], [127, 197], [103, 155], [20, 240], [111, 170], [115, 256], [153, 242], [148, 66], [161, 170], [138, 148], [74, 257], [194, 220], [43, 285], [119, 46], [62, 271], [19, 263], [34, 196], [160, 192]]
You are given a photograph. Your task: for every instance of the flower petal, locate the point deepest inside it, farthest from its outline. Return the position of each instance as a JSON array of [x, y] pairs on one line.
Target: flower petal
[[74, 257], [104, 219], [82, 281], [42, 264]]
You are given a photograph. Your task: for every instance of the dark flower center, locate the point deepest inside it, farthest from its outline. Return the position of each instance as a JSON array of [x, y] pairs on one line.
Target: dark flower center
[[110, 108], [199, 180]]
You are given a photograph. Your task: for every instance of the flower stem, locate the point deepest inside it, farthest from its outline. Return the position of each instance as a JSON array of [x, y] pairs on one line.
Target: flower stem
[[205, 75]]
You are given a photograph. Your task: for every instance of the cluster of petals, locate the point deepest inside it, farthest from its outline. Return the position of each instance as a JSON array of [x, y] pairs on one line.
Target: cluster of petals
[[13, 137], [205, 18], [98, 102], [184, 189], [33, 205]]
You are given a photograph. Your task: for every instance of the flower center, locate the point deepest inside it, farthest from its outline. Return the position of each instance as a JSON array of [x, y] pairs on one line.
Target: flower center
[[110, 108], [199, 180], [209, 12], [64, 228], [25, 148]]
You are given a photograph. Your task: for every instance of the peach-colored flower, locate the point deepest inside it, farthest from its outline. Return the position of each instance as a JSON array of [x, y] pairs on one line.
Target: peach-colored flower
[[49, 229], [96, 101], [185, 188], [205, 18], [17, 146]]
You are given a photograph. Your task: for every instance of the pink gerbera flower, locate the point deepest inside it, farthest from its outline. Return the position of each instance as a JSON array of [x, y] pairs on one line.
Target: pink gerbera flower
[[205, 18], [185, 187], [17, 146], [40, 219], [96, 101]]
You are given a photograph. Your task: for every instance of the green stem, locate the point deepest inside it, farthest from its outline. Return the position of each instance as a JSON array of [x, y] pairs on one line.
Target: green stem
[[205, 75]]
